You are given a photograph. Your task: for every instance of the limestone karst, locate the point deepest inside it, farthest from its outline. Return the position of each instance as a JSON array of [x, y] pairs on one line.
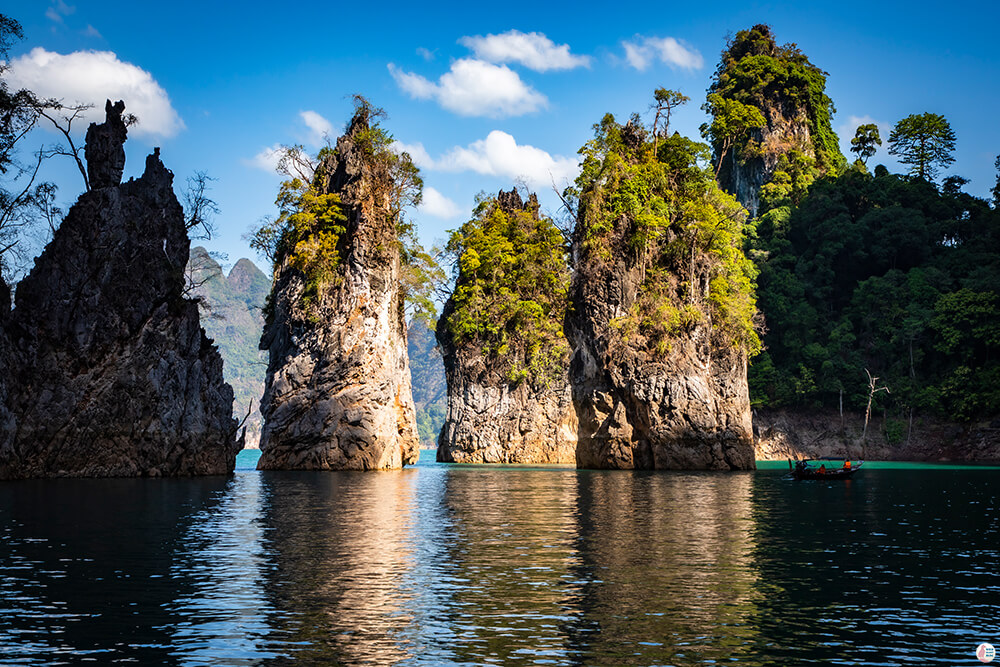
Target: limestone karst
[[109, 372]]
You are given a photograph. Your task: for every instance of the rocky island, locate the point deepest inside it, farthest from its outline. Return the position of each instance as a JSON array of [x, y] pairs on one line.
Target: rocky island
[[505, 355], [109, 373], [337, 391]]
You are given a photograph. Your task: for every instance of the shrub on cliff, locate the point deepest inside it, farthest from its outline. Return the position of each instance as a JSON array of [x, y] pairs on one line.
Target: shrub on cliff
[[308, 232]]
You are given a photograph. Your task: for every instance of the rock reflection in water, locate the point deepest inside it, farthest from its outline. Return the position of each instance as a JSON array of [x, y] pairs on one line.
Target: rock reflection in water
[[338, 547], [666, 570], [85, 566]]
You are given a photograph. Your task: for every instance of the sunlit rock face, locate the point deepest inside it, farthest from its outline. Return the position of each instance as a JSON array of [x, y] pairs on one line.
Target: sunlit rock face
[[491, 419], [686, 409], [110, 372], [337, 393]]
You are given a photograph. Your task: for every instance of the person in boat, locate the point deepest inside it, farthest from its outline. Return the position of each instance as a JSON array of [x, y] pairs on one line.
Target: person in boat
[[847, 464], [822, 468]]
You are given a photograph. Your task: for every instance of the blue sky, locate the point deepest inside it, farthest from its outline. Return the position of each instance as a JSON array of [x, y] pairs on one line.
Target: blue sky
[[216, 84]]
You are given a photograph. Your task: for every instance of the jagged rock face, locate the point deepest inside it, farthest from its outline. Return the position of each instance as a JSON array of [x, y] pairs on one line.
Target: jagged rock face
[[786, 129], [112, 373], [490, 419], [7, 423], [686, 409], [337, 393], [105, 148]]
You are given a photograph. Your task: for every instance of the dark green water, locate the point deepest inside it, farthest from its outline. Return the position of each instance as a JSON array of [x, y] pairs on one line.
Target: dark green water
[[459, 565]]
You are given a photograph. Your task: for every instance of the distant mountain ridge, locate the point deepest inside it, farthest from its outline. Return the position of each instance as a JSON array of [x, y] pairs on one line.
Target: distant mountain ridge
[[231, 315]]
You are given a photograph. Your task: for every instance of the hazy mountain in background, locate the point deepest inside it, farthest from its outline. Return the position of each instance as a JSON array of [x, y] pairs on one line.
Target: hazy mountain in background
[[430, 391], [231, 315]]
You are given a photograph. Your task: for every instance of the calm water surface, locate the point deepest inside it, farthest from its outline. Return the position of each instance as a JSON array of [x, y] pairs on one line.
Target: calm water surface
[[460, 565]]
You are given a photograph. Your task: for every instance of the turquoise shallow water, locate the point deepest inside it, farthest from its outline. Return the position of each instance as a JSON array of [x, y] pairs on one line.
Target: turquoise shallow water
[[441, 565]]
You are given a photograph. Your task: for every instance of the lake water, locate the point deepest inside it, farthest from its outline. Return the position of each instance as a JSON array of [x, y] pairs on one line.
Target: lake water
[[439, 564]]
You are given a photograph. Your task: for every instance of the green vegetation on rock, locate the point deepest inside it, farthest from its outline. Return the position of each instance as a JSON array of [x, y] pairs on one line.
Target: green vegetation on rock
[[511, 280], [685, 232]]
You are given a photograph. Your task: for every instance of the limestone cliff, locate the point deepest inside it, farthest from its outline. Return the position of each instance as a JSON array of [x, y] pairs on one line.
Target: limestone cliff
[[337, 392], [111, 373], [500, 409], [797, 143], [661, 308]]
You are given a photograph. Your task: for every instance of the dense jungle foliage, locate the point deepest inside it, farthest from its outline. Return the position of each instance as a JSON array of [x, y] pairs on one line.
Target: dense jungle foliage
[[889, 273], [511, 281]]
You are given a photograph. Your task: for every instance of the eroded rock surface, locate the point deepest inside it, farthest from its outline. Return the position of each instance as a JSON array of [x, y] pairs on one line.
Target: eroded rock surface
[[687, 408], [110, 371], [492, 419], [337, 393]]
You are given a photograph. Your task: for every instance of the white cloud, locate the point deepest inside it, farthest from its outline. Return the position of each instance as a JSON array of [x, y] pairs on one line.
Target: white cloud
[[266, 159], [417, 153], [642, 51], [437, 205], [533, 50], [500, 155], [320, 127], [425, 53], [91, 77], [91, 31], [474, 88]]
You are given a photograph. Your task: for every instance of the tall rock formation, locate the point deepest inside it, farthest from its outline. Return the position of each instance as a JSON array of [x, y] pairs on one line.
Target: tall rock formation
[[797, 144], [111, 373], [337, 393], [660, 309], [7, 423], [505, 356]]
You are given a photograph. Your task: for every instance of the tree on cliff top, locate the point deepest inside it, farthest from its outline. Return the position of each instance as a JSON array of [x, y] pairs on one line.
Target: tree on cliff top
[[307, 235], [866, 141], [664, 210], [511, 281], [923, 141]]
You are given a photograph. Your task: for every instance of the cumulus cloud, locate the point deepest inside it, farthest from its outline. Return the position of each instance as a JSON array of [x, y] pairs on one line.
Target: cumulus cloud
[[437, 205], [533, 50], [474, 88], [320, 127], [417, 153], [91, 77], [500, 155], [641, 52], [266, 159]]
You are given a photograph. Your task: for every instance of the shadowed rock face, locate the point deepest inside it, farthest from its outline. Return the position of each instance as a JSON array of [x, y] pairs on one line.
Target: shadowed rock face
[[686, 409], [105, 149], [111, 373], [490, 419], [337, 393]]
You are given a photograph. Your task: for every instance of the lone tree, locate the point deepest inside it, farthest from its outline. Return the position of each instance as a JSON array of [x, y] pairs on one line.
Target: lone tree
[[666, 101], [923, 141], [866, 141], [996, 188]]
